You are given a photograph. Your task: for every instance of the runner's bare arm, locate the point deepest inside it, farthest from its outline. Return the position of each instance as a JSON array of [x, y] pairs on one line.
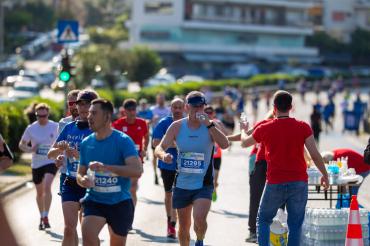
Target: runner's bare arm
[[247, 140], [23, 145], [57, 149], [219, 137], [235, 137], [82, 179]]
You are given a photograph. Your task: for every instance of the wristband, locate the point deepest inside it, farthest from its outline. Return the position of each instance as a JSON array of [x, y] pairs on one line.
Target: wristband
[[211, 125]]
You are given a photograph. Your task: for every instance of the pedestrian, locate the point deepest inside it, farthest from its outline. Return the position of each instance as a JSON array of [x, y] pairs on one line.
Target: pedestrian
[[284, 139], [160, 110], [112, 159], [73, 114], [316, 123], [6, 155], [137, 129], [194, 137], [168, 171], [144, 112], [41, 134], [328, 115], [67, 147]]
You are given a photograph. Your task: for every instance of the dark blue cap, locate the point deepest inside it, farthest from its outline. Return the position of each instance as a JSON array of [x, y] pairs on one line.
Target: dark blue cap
[[196, 101]]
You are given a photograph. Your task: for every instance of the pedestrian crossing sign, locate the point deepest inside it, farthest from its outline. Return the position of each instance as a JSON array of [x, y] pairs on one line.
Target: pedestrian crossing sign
[[67, 31]]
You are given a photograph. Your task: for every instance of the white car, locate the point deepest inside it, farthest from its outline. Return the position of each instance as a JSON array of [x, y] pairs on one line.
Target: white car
[[24, 89], [160, 79], [190, 78]]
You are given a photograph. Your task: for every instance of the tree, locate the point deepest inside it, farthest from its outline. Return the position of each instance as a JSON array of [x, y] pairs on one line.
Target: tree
[[142, 64], [360, 47]]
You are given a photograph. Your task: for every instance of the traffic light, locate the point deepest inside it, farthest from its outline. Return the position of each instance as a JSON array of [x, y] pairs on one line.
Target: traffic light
[[65, 71]]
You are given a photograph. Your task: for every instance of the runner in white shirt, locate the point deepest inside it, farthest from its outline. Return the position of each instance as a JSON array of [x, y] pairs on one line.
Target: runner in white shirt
[[41, 134], [160, 110]]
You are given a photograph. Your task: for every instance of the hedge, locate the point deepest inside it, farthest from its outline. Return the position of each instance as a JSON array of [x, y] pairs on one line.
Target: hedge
[[13, 121]]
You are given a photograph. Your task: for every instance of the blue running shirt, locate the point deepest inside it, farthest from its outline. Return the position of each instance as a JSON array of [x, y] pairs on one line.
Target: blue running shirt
[[158, 133], [113, 150], [195, 150], [74, 136]]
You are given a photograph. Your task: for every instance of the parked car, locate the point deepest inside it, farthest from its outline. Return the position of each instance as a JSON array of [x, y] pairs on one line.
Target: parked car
[[190, 78], [24, 89], [241, 71], [161, 79]]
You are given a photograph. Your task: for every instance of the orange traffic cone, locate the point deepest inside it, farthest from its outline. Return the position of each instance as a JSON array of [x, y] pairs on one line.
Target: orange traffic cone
[[354, 229]]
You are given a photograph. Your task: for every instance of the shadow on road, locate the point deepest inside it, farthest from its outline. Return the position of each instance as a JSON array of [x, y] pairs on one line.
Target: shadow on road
[[153, 238], [55, 235], [149, 201], [229, 214]]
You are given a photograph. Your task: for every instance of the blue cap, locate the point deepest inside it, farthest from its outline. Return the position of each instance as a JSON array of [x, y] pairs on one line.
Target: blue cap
[[196, 101]]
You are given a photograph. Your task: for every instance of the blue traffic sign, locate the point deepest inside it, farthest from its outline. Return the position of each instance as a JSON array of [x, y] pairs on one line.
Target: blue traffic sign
[[67, 31]]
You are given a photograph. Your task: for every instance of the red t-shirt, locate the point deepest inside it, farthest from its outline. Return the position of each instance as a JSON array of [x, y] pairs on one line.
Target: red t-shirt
[[135, 131], [355, 160], [260, 146], [284, 145]]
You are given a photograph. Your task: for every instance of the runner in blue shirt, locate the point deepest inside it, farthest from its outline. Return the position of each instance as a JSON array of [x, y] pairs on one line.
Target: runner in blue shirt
[[194, 137], [67, 147], [168, 171], [111, 158]]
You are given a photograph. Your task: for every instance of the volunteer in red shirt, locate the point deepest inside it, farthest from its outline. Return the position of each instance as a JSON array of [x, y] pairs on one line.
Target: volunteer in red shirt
[[137, 129], [355, 160], [284, 139]]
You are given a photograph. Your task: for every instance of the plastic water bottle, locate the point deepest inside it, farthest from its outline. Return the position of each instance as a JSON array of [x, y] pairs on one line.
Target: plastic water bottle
[[91, 175], [243, 118]]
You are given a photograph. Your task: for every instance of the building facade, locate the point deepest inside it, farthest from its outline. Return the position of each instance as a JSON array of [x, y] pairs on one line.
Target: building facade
[[224, 31]]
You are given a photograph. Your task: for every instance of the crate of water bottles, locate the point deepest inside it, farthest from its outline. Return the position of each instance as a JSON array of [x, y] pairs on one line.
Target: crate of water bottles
[[328, 227]]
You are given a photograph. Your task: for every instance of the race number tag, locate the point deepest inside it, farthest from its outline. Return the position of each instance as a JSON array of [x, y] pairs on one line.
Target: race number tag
[[43, 149], [106, 182], [191, 162]]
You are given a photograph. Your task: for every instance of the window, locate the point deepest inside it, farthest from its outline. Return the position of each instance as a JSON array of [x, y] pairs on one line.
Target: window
[[158, 7], [155, 35]]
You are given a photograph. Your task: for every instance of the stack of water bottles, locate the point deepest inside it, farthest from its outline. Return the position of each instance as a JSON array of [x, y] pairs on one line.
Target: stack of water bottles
[[327, 227]]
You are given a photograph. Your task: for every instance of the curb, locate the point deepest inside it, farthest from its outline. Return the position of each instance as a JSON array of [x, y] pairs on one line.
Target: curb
[[16, 186]]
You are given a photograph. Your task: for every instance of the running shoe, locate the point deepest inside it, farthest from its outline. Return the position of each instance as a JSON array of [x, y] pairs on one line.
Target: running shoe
[[199, 243], [45, 221], [252, 238], [214, 196], [41, 225], [171, 231]]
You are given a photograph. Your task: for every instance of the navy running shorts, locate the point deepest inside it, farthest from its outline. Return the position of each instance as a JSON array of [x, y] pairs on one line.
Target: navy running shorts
[[119, 216], [71, 191], [182, 198], [217, 163]]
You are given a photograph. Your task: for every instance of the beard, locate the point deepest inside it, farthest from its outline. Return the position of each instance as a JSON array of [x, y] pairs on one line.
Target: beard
[[74, 112]]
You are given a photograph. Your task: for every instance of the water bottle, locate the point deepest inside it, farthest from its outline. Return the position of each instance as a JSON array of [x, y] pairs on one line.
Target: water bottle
[[91, 175], [200, 116], [243, 118]]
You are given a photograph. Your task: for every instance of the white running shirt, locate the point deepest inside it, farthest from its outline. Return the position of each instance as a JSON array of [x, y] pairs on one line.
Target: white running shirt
[[43, 137]]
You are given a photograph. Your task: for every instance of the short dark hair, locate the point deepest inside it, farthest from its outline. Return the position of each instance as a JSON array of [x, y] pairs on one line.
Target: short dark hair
[[283, 101], [130, 102], [209, 107], [42, 106], [105, 105], [73, 93]]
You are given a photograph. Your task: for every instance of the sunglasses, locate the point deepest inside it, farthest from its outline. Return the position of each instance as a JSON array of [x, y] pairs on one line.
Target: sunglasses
[[72, 103], [208, 112], [41, 115]]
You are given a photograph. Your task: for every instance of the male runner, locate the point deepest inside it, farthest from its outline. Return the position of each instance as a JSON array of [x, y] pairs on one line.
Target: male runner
[[194, 137], [112, 156], [42, 134]]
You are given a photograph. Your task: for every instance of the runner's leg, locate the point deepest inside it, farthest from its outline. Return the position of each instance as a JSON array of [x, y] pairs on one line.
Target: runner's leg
[[184, 215], [70, 213], [200, 212], [91, 227]]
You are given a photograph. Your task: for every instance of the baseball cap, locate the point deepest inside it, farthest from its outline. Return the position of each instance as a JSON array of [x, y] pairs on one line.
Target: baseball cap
[[196, 101], [143, 100], [86, 96]]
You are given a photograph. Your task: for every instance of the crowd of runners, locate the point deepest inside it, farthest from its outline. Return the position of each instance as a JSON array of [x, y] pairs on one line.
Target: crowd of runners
[[100, 154]]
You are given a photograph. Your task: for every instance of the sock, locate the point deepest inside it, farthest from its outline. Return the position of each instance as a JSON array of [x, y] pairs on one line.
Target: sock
[[44, 214], [173, 223], [168, 219]]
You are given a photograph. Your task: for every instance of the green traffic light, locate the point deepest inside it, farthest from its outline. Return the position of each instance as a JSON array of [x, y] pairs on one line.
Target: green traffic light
[[64, 76]]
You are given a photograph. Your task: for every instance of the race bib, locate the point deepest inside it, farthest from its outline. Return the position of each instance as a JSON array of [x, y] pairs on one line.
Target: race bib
[[73, 166], [191, 162], [106, 182], [43, 149]]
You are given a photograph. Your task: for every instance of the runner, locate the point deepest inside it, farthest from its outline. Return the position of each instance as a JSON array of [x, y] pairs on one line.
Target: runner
[[42, 133], [144, 112], [6, 156], [112, 157], [168, 172], [159, 111], [71, 104], [284, 139], [68, 142], [194, 137], [217, 151], [137, 130]]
